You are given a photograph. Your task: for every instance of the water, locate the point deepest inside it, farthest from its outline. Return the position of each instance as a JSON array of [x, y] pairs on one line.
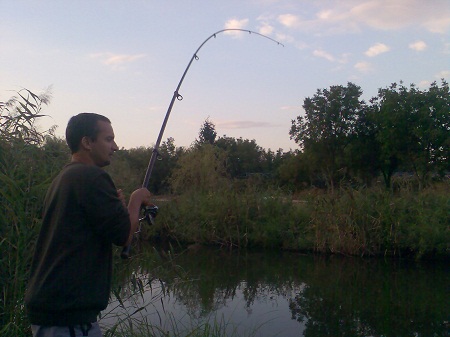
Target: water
[[267, 293]]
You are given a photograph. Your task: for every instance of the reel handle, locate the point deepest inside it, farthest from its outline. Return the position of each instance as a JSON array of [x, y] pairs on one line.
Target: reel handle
[[150, 213]]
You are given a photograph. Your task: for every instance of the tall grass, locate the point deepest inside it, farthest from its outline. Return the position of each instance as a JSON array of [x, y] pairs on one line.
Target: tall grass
[[140, 327], [20, 220], [25, 172], [364, 222]]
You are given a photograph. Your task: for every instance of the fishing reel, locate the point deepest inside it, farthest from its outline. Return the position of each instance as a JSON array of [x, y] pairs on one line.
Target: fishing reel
[[149, 214]]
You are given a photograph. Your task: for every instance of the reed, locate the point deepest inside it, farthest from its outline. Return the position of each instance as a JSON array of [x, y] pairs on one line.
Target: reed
[[19, 228], [140, 327], [363, 222]]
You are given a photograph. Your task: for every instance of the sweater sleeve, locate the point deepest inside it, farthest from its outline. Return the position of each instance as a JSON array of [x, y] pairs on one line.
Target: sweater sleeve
[[109, 218]]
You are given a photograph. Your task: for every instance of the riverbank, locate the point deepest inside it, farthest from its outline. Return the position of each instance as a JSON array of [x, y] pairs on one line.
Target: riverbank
[[365, 222]]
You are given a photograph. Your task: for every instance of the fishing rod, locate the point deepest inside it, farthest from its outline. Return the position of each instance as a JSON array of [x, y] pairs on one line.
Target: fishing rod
[[151, 211]]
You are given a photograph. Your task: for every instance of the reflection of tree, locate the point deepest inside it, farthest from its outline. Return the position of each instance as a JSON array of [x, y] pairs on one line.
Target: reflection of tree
[[218, 276], [345, 298], [328, 296]]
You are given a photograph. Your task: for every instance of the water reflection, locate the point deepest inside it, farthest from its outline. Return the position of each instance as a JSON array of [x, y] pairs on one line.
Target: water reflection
[[287, 294]]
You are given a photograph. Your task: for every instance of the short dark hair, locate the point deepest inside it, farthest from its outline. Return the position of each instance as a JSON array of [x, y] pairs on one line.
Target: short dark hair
[[82, 125]]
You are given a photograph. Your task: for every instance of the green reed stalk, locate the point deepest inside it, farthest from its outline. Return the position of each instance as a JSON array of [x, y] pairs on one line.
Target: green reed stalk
[[364, 222]]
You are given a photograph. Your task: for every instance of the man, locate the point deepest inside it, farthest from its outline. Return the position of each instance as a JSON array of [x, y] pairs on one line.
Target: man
[[83, 215]]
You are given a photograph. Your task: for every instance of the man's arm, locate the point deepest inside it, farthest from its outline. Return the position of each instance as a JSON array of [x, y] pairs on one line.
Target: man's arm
[[140, 197]]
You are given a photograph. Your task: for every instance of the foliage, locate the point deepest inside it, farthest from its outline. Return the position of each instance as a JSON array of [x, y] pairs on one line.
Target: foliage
[[401, 129], [18, 117], [412, 128], [328, 127], [129, 167], [366, 222], [201, 168], [24, 177], [207, 133]]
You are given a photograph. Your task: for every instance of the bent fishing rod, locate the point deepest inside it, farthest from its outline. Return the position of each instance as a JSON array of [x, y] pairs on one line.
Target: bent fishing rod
[[151, 211]]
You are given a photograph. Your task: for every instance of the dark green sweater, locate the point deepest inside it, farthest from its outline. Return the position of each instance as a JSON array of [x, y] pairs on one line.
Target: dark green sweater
[[72, 265]]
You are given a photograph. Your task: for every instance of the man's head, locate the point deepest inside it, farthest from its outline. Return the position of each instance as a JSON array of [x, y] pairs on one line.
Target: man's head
[[90, 138]]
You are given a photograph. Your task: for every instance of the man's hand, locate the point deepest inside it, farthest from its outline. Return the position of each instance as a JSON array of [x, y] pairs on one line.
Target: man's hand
[[140, 197]]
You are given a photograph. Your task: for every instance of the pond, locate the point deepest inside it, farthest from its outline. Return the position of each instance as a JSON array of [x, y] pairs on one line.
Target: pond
[[273, 293]]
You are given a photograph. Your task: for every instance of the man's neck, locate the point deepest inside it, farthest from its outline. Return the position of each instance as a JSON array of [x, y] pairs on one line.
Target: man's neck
[[80, 157]]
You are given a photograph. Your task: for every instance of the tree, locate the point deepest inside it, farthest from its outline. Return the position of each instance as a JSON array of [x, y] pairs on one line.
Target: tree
[[326, 128], [207, 133], [202, 169], [130, 167], [244, 156], [412, 129]]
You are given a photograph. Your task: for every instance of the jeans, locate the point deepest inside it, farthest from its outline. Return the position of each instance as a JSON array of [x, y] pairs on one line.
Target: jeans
[[64, 331]]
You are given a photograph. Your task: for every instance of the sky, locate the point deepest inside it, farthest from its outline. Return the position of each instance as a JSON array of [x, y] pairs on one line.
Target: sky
[[124, 59]]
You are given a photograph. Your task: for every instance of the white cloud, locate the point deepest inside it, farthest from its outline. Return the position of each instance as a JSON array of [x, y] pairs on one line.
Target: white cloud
[[244, 125], [343, 58], [388, 14], [266, 29], [438, 24], [377, 49], [288, 38], [116, 60], [324, 54], [289, 20], [424, 84], [363, 67], [335, 17], [290, 108], [443, 74], [325, 15], [418, 46], [236, 24]]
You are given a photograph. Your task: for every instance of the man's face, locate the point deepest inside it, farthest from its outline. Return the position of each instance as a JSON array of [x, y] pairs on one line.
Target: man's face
[[104, 146]]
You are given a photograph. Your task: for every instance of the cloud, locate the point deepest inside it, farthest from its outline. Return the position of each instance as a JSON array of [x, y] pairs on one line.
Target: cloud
[[363, 67], [266, 29], [446, 49], [116, 60], [389, 15], [350, 16], [424, 83], [235, 24], [244, 125], [321, 53], [377, 49], [438, 25], [324, 54], [418, 46], [289, 20], [443, 74], [290, 108]]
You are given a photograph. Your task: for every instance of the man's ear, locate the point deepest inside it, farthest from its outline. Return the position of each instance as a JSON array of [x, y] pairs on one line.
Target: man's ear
[[86, 142]]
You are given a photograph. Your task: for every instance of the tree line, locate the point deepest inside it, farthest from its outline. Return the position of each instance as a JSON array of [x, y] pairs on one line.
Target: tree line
[[342, 140]]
